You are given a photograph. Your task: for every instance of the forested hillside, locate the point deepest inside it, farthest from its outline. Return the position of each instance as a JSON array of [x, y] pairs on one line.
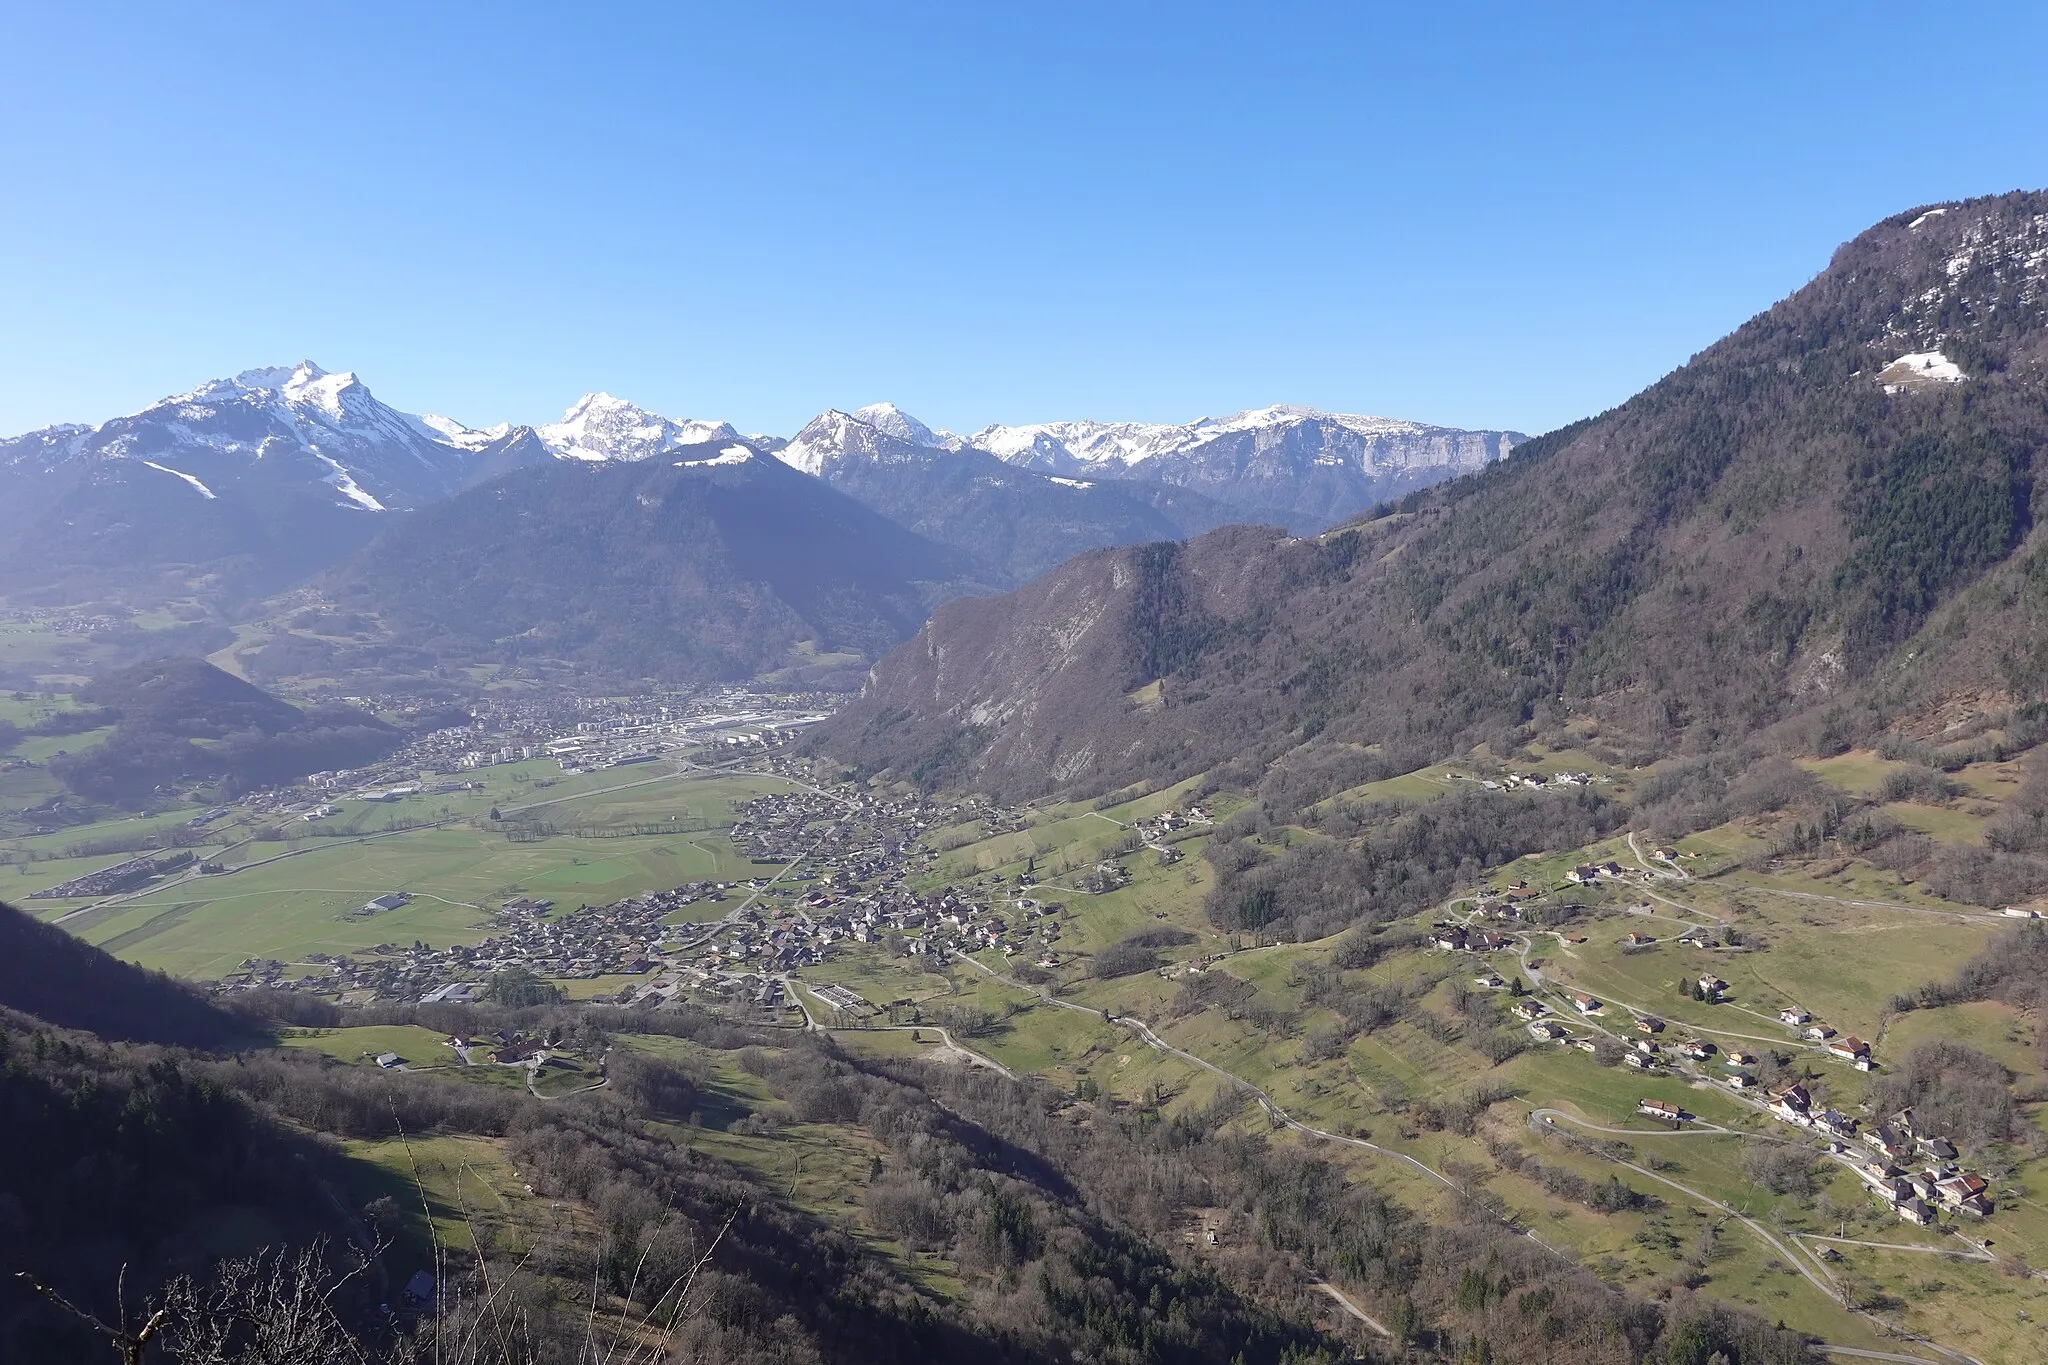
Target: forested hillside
[[1017, 522], [711, 567], [1047, 1220], [186, 720], [1824, 522]]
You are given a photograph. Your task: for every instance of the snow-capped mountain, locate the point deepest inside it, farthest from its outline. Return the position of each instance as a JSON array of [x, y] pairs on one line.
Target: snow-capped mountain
[[278, 471], [275, 424], [891, 420], [1304, 467], [1019, 521], [240, 483], [600, 427]]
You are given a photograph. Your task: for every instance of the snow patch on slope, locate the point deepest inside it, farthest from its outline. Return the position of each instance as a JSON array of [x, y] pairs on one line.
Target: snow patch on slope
[[345, 483], [204, 491], [734, 454], [1920, 367]]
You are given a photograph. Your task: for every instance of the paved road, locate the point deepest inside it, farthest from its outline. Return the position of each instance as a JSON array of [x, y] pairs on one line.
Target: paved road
[[1804, 1264], [1824, 1284], [1967, 1253], [1806, 1268], [1693, 1128]]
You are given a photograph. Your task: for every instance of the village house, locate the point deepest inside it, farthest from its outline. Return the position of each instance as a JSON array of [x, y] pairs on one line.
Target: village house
[[1791, 1103], [1852, 1050]]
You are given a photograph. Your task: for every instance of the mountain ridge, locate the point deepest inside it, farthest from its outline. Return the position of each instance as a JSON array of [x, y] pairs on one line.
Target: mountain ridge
[[1754, 543], [715, 562]]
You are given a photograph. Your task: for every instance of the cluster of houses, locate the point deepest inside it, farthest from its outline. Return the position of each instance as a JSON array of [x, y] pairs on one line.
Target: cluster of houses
[[1913, 1170], [1536, 781], [1851, 1049], [1458, 938], [1585, 874]]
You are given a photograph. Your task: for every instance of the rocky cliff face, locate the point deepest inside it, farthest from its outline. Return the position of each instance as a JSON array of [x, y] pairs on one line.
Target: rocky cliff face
[[1294, 466]]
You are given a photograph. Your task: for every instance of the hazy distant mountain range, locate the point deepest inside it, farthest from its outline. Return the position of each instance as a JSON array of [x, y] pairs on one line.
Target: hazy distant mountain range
[[553, 541], [252, 482]]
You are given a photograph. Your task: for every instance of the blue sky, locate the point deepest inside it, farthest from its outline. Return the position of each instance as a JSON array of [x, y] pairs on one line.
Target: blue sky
[[1482, 215]]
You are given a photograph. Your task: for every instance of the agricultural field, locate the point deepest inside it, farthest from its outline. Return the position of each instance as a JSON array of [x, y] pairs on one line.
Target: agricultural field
[[1839, 937], [595, 839]]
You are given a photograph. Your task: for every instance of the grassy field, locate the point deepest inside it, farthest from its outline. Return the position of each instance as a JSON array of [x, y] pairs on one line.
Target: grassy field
[[417, 1047], [306, 895], [1806, 940]]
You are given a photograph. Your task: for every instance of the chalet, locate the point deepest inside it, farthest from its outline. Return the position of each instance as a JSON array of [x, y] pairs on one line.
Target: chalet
[[1818, 1033], [1583, 875], [1585, 1045], [1660, 1109], [1741, 1080], [1641, 1061], [1835, 1122], [1530, 1009], [1712, 986], [1696, 1050], [1638, 940], [1649, 1023], [1546, 1031], [1966, 1192], [1737, 1057], [1586, 1004], [1451, 940], [1850, 1049], [1791, 1104], [1794, 1015], [1488, 981]]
